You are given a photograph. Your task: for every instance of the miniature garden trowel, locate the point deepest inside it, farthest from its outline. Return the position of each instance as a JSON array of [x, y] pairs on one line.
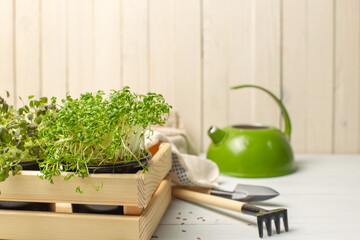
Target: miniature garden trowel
[[242, 192]]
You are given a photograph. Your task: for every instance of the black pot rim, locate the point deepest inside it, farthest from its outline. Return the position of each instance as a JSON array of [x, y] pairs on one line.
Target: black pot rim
[[128, 167], [30, 165]]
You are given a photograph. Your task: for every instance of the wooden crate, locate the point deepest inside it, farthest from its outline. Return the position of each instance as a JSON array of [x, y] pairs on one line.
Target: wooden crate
[[118, 189], [144, 197]]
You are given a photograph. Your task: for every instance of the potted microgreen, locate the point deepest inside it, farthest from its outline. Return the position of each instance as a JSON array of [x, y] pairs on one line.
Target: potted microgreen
[[21, 147], [99, 133]]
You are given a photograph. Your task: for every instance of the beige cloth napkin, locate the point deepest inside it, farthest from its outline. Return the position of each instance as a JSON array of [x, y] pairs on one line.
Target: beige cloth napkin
[[187, 167]]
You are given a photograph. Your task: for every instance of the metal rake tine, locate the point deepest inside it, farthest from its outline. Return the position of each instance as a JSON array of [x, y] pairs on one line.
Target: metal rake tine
[[285, 221], [277, 225], [260, 227], [268, 226]]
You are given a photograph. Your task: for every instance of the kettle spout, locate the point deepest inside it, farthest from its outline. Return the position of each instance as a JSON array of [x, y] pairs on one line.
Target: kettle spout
[[216, 134]]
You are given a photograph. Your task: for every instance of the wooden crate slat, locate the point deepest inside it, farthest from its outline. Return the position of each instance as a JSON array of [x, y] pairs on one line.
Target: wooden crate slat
[[149, 181], [153, 213], [45, 225], [32, 189]]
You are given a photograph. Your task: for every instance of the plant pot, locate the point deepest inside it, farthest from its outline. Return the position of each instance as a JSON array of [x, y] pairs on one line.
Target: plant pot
[[129, 167], [93, 208], [28, 165]]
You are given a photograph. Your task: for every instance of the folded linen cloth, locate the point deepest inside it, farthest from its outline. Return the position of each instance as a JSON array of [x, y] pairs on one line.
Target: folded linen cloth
[[187, 169]]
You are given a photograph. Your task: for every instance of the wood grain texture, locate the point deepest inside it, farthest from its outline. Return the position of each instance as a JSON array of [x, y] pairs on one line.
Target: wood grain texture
[[215, 66], [347, 81], [241, 64], [208, 199], [187, 60], [319, 98], [159, 167], [107, 50], [150, 218], [27, 44], [135, 45], [41, 225], [80, 37], [132, 210], [295, 69], [53, 48], [162, 48], [117, 190], [62, 207], [7, 78], [267, 60], [192, 51]]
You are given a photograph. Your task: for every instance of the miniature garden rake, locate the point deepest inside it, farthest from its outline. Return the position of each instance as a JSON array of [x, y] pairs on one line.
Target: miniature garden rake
[[262, 215]]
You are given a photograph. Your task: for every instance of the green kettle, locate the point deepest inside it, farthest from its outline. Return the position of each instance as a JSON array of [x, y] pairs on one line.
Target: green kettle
[[253, 151]]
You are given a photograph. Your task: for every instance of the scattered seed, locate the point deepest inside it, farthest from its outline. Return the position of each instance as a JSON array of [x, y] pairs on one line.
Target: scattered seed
[[204, 220], [249, 224], [179, 213], [155, 236], [177, 217], [198, 238], [183, 230], [182, 223], [190, 212], [184, 219], [199, 218]]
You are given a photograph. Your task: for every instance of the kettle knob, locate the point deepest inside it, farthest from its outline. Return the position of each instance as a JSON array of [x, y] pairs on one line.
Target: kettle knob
[[216, 134]]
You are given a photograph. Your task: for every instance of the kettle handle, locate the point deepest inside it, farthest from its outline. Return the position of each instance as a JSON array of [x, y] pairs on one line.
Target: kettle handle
[[287, 129]]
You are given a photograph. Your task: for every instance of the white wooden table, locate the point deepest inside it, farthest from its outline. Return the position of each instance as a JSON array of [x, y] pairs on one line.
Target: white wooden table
[[322, 198]]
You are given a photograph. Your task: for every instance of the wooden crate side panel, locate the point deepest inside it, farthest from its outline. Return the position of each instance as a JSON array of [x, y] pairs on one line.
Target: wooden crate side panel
[[117, 190], [48, 225], [159, 166], [153, 213]]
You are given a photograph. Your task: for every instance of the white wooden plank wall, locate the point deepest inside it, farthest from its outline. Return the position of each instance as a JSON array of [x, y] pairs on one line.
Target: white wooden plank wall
[[347, 84], [53, 48], [192, 51], [7, 58]]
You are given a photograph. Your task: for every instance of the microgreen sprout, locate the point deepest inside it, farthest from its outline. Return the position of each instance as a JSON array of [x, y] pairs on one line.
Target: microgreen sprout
[[99, 129]]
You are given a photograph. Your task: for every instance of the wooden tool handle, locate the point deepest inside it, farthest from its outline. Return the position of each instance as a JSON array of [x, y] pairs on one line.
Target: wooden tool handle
[[197, 197], [197, 189]]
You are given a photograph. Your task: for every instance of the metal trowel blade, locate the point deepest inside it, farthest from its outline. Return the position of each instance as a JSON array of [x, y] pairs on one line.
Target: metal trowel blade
[[253, 193]]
